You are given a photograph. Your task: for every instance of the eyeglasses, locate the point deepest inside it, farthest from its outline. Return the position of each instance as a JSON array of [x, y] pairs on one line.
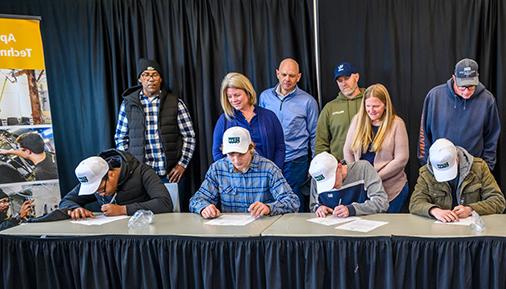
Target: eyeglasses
[[154, 75], [464, 88], [4, 200]]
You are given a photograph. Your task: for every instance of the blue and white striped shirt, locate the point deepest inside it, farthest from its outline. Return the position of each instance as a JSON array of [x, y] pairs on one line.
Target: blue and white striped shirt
[[153, 153], [236, 191]]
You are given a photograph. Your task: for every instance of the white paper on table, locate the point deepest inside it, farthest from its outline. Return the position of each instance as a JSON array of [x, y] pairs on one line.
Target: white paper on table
[[231, 220], [332, 220], [463, 222], [98, 220], [363, 226]]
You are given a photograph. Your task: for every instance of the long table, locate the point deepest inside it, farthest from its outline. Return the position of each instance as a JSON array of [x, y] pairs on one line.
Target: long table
[[180, 251]]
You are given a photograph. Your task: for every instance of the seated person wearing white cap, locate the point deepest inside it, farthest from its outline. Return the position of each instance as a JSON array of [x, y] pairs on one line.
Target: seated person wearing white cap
[[119, 183], [244, 181], [345, 189], [453, 184]]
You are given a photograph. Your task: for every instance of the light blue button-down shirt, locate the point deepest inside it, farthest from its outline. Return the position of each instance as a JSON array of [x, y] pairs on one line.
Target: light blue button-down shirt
[[298, 114]]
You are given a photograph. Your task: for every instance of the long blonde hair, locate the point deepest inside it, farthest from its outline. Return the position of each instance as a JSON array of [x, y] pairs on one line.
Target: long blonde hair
[[239, 81], [364, 133]]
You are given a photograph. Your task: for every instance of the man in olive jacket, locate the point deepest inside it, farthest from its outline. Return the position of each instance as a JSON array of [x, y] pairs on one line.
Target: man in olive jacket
[[453, 184]]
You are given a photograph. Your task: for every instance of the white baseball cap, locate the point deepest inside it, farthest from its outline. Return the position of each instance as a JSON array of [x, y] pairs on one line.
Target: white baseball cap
[[90, 172], [323, 170], [236, 140], [443, 159]]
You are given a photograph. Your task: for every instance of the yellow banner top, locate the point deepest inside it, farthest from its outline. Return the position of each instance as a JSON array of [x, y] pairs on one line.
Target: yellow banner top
[[21, 44]]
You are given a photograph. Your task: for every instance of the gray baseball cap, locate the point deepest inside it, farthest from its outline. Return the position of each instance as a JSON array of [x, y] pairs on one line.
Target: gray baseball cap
[[466, 72]]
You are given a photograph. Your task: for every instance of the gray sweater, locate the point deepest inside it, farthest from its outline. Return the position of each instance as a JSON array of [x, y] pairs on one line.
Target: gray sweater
[[362, 192]]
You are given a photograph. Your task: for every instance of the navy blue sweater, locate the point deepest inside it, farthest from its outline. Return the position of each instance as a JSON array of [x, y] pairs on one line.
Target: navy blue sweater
[[472, 124]]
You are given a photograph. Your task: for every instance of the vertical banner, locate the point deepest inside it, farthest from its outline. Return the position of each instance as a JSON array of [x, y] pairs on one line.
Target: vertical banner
[[28, 169]]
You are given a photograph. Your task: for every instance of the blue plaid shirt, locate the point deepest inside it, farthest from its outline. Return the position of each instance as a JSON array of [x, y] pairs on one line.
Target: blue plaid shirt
[[153, 153], [236, 191]]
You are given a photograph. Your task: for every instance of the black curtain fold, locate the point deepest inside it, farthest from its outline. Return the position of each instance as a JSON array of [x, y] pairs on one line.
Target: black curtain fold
[[192, 262], [471, 263], [328, 262], [131, 262], [258, 262]]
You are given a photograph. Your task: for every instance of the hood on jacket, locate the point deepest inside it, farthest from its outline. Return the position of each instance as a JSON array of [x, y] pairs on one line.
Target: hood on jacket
[[342, 97], [465, 163], [130, 90], [128, 163], [479, 89]]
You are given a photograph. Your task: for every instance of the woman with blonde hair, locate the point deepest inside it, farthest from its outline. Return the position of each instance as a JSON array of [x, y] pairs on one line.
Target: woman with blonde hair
[[379, 136], [238, 100]]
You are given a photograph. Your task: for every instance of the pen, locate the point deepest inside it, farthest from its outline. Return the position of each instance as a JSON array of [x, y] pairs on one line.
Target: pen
[[113, 199], [339, 202]]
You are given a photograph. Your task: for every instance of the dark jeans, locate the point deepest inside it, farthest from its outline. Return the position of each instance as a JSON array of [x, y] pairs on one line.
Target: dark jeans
[[296, 173], [397, 204]]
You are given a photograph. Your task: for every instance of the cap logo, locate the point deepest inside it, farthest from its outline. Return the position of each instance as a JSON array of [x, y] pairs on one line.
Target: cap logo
[[442, 165], [340, 67], [234, 139], [150, 68], [319, 178], [83, 179]]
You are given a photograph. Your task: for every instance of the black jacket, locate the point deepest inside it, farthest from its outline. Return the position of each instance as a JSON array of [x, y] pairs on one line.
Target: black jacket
[[139, 187], [168, 129]]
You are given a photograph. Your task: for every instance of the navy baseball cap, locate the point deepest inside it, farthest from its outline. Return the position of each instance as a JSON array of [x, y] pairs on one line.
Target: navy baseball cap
[[344, 68]]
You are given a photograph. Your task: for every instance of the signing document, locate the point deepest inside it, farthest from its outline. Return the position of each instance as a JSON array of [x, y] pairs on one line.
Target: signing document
[[98, 220], [363, 226], [231, 220]]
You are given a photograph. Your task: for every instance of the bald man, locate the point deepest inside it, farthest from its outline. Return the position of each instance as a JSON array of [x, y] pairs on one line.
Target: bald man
[[298, 113]]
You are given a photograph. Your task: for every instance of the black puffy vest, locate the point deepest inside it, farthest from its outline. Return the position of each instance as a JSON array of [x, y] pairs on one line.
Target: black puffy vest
[[168, 129]]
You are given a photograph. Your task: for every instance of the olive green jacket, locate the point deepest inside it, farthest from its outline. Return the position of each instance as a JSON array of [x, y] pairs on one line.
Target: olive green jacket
[[477, 189], [333, 124]]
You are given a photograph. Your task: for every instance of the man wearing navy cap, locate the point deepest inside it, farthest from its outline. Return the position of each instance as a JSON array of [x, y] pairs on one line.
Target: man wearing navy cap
[[463, 111], [336, 116]]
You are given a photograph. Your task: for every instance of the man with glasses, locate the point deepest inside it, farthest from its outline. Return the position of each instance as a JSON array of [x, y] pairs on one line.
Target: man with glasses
[[11, 221], [463, 111], [119, 183], [155, 125]]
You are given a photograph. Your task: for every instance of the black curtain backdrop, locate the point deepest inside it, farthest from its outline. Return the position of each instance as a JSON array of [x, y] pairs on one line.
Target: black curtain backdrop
[[411, 46], [91, 47]]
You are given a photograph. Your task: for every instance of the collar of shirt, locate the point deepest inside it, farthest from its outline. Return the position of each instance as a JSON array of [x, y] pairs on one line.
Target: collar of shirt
[[252, 166], [150, 99], [277, 90]]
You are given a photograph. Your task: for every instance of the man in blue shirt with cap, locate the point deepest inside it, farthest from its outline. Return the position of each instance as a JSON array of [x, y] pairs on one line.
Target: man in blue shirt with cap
[[298, 113], [463, 111]]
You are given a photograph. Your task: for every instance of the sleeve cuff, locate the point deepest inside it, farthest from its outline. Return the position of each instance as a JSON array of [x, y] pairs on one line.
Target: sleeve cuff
[[352, 210]]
